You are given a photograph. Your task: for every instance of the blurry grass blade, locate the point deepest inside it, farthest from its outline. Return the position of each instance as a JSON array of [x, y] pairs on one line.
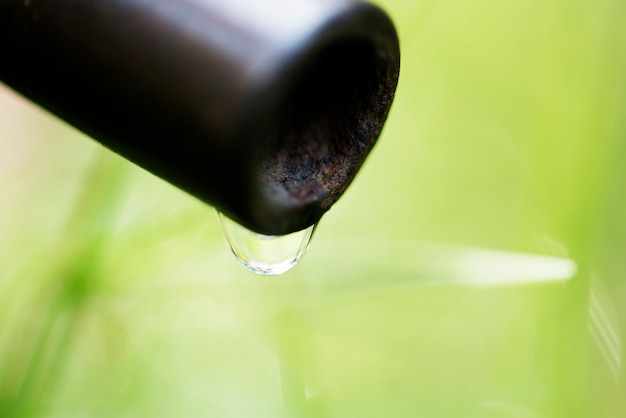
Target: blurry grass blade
[[488, 267], [413, 263], [604, 326]]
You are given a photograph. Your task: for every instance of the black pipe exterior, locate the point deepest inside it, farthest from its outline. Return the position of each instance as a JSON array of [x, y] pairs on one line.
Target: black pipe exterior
[[265, 109]]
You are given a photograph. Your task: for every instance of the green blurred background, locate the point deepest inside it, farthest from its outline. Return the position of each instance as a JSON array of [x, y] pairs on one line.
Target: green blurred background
[[118, 297]]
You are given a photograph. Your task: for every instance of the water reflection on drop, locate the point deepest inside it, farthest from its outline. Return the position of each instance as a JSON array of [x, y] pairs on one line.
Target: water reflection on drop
[[266, 255]]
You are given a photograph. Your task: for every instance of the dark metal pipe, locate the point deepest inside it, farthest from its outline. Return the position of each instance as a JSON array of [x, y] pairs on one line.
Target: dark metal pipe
[[265, 109]]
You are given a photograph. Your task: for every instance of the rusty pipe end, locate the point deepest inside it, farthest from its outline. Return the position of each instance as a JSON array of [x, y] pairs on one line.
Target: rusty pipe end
[[329, 100]]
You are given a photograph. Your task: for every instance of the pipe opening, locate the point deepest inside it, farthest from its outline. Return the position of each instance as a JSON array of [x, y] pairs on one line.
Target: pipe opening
[[326, 127]]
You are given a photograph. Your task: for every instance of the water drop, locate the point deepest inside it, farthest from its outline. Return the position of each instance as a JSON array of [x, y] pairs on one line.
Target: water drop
[[267, 255]]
